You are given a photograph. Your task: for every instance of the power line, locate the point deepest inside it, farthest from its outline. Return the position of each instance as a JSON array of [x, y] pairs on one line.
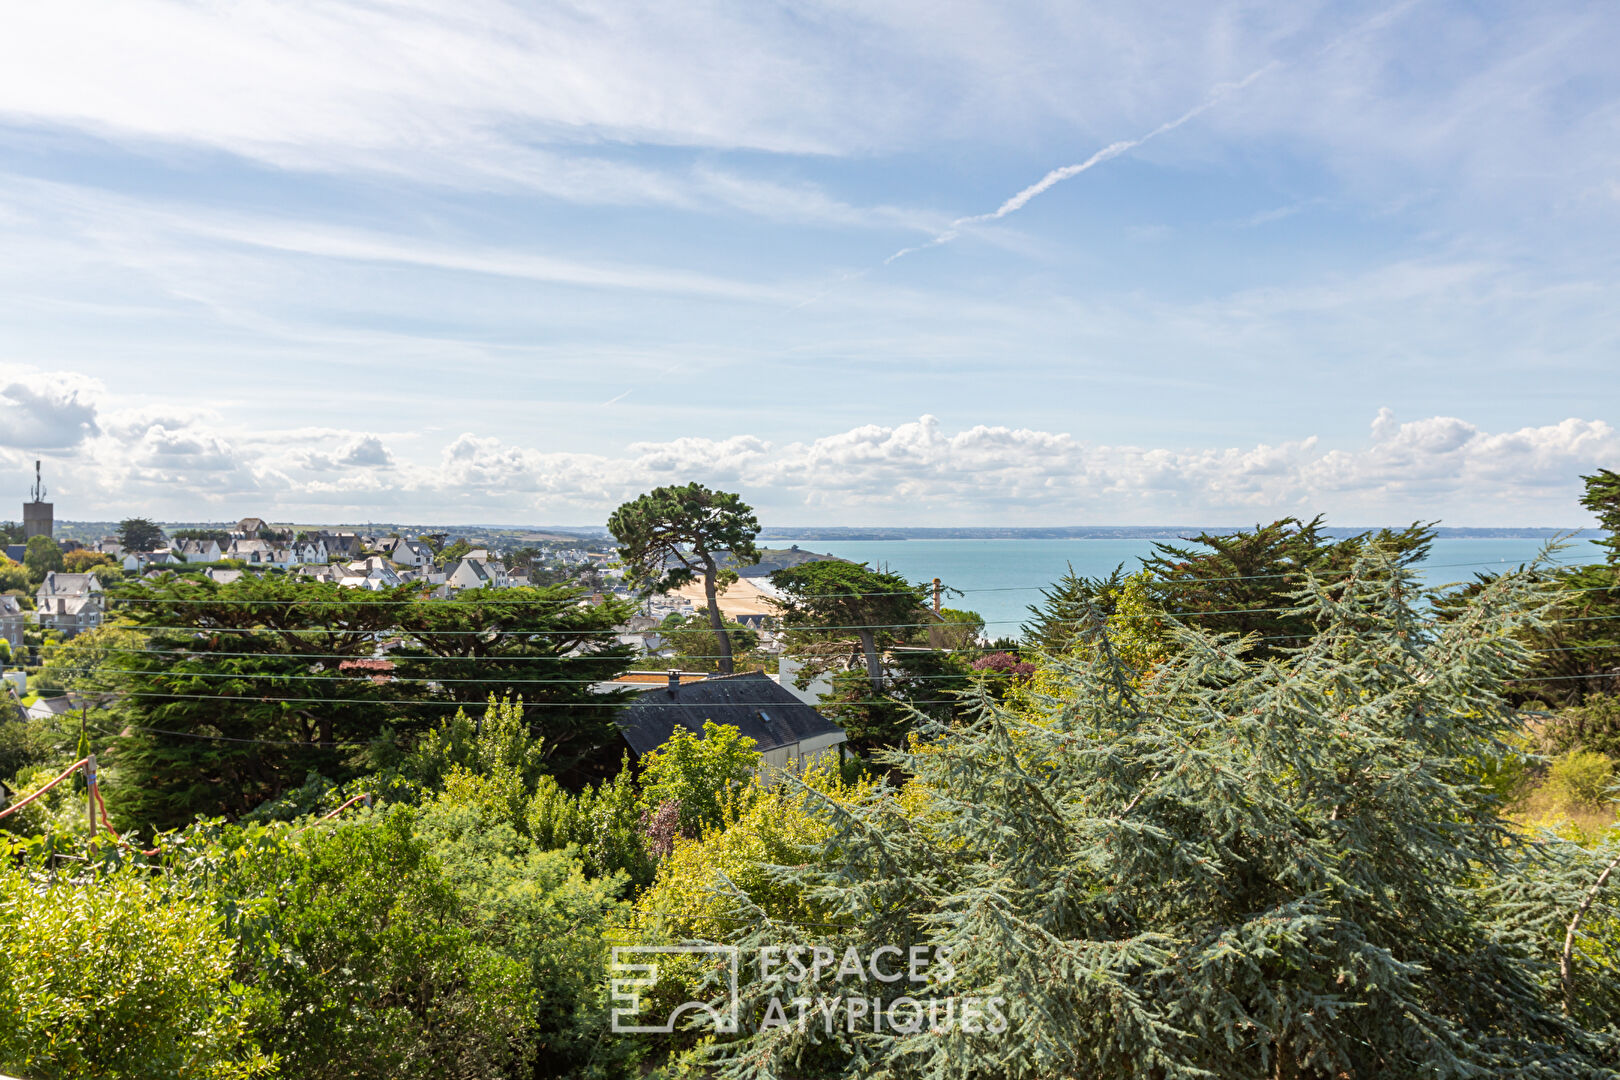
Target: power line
[[614, 632], [361, 599]]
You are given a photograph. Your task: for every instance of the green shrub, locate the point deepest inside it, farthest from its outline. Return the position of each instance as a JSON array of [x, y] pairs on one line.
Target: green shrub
[[603, 822], [539, 909], [110, 978], [24, 744], [1580, 780], [359, 946], [701, 775]]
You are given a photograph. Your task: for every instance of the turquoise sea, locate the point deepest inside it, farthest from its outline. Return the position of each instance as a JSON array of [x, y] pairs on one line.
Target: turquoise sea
[[1001, 578]]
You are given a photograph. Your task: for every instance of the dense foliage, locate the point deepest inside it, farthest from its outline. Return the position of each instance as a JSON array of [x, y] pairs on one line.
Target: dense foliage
[[244, 689], [673, 536], [1221, 865], [1263, 808], [115, 978]]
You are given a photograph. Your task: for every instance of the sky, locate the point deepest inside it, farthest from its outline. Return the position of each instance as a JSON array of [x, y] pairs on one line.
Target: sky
[[879, 263]]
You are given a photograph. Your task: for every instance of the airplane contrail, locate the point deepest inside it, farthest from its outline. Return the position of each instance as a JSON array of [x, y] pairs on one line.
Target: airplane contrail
[[1057, 176]]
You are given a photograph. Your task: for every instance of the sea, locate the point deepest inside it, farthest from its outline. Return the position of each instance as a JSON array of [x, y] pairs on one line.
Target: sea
[[1000, 579]]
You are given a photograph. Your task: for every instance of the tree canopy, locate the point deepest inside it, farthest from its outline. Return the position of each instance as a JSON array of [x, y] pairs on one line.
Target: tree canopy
[[673, 536], [1244, 582], [140, 534], [245, 688], [42, 556], [1602, 497], [842, 610], [1218, 866]]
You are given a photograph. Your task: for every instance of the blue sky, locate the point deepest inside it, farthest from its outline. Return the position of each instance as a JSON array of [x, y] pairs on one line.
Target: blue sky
[[517, 262]]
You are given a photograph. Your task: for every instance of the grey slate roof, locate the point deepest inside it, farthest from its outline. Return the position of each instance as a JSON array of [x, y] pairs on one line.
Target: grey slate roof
[[752, 702]]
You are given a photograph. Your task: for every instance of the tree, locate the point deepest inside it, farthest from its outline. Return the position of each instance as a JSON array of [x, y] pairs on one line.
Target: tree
[[1228, 868], [84, 562], [958, 630], [13, 576], [243, 689], [89, 662], [457, 550], [139, 534], [1245, 582], [12, 532], [547, 646], [672, 536], [697, 649], [1578, 649], [1602, 497], [1056, 622], [42, 557], [836, 607], [700, 775], [363, 955]]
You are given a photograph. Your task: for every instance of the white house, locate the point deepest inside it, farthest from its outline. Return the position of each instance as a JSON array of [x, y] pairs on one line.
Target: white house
[[372, 572], [197, 551], [409, 553], [137, 561], [260, 553], [11, 622], [470, 573], [308, 551], [69, 603]]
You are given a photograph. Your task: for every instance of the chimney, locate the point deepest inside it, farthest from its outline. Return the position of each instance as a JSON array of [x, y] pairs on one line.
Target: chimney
[[674, 681], [938, 588]]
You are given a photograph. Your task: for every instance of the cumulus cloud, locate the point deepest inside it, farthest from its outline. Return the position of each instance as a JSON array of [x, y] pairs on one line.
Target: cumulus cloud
[[368, 450], [915, 472], [41, 413]]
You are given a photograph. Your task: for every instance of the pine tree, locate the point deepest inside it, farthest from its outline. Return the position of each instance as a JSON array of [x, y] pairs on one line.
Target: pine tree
[[241, 690], [1065, 605], [1223, 866], [1243, 582], [544, 645]]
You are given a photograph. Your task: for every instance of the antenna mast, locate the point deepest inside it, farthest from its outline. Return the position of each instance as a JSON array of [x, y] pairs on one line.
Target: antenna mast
[[39, 485]]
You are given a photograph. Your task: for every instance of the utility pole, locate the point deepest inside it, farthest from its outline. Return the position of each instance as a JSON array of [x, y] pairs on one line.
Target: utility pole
[[90, 791]]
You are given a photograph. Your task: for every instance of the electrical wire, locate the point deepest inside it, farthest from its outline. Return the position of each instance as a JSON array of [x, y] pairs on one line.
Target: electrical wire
[[362, 600]]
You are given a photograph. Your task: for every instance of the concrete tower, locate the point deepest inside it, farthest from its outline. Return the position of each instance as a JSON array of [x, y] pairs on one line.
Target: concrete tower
[[38, 516]]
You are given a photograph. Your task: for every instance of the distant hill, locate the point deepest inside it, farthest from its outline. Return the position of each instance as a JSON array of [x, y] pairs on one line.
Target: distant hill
[[773, 559]]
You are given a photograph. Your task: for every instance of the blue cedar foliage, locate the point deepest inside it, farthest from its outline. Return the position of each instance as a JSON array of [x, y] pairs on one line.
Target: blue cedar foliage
[[1224, 867]]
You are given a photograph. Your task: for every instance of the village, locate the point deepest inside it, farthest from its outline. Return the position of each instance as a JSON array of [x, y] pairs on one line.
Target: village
[[68, 604]]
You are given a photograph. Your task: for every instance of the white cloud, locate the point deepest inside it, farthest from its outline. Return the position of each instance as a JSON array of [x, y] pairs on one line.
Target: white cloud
[[910, 473], [38, 412]]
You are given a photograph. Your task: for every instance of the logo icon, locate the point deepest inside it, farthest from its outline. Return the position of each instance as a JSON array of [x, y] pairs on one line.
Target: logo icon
[[635, 969]]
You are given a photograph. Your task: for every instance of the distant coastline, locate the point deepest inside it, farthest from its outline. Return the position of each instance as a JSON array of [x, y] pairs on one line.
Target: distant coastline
[[1125, 532], [83, 530]]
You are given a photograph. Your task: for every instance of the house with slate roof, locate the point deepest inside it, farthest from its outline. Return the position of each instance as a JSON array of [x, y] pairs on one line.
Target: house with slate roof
[[69, 603], [785, 730], [11, 622]]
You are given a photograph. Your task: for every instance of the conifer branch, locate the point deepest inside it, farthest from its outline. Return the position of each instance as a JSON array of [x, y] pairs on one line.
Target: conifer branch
[[1566, 966]]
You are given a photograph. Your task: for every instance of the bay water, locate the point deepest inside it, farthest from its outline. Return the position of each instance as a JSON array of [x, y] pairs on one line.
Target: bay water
[[1000, 578]]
